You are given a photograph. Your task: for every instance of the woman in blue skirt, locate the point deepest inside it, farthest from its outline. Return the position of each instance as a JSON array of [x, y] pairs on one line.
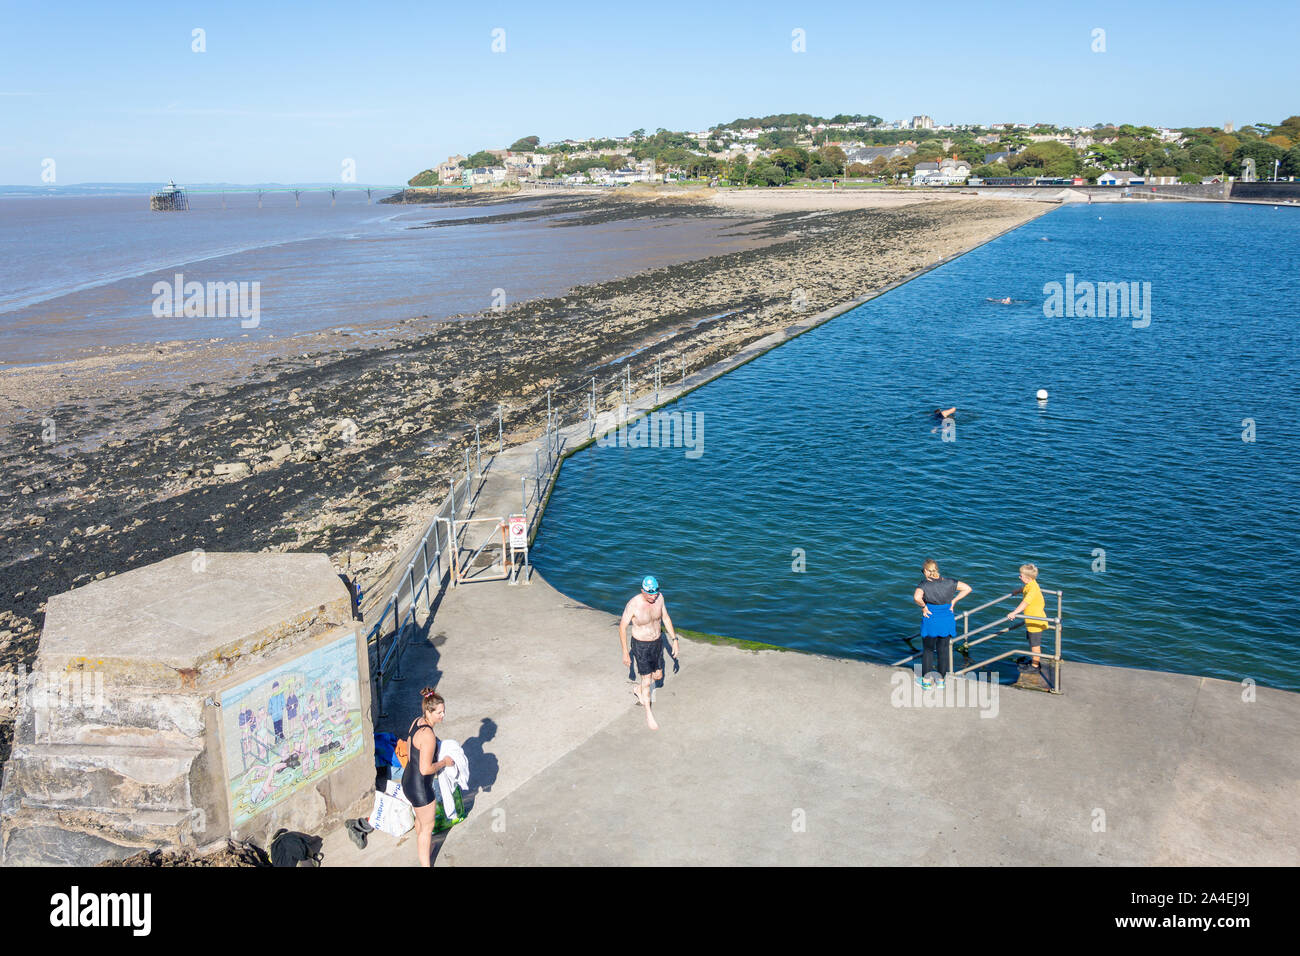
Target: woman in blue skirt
[[937, 596]]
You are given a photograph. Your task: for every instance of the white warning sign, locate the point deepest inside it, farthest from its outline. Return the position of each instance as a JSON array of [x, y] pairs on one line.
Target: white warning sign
[[518, 531]]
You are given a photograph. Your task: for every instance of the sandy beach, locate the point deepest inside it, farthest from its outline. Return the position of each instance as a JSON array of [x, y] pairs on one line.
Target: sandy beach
[[343, 443]]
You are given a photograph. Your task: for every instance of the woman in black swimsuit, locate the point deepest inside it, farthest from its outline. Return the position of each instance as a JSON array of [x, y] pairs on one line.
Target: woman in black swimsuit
[[421, 767]]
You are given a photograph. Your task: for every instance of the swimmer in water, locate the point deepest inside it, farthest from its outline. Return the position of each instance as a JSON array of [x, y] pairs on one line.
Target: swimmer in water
[[1006, 301], [942, 418]]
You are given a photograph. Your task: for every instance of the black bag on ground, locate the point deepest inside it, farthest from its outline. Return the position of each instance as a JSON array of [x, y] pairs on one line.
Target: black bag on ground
[[289, 848]]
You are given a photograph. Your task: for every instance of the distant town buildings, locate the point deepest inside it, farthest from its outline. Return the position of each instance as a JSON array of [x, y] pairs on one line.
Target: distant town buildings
[[750, 154]]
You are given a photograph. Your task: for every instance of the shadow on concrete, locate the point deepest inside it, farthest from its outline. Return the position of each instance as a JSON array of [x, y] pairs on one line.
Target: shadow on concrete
[[483, 766], [418, 667]]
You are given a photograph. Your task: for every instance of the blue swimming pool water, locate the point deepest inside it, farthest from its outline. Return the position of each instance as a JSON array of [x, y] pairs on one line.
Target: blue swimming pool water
[[826, 445]]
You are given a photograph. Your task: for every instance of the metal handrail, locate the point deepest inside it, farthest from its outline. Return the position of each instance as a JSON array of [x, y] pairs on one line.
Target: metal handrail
[[999, 600], [975, 610], [433, 571], [967, 634], [418, 583]]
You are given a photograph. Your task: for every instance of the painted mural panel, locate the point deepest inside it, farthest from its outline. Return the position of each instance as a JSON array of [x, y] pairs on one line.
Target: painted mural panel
[[291, 726]]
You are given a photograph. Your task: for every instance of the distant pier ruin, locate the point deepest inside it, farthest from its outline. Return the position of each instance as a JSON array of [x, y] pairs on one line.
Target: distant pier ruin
[[171, 198]]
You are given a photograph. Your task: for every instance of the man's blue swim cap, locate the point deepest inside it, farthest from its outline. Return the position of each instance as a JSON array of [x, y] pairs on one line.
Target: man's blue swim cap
[[649, 585]]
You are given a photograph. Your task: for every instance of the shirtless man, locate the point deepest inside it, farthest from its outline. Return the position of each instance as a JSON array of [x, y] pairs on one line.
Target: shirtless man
[[646, 613]]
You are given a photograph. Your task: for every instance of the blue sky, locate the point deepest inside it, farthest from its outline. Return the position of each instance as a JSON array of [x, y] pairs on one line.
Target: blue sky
[[287, 93]]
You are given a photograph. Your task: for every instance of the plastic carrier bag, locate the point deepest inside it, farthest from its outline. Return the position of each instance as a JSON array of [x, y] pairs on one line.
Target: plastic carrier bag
[[393, 813], [441, 821]]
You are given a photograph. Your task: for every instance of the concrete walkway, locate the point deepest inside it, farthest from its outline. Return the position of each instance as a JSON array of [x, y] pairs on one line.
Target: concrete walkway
[[774, 757], [771, 757]]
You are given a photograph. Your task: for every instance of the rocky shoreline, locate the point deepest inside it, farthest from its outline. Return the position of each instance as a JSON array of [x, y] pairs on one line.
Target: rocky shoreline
[[346, 452]]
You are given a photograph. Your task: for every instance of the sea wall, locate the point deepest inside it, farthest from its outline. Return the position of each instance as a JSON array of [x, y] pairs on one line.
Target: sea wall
[[1282, 191]]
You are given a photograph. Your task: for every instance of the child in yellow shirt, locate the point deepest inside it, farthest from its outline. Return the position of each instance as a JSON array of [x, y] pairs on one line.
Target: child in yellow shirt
[[1031, 607]]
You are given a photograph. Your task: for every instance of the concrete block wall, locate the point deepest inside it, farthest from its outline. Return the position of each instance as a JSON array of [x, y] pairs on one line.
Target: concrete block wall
[[141, 766]]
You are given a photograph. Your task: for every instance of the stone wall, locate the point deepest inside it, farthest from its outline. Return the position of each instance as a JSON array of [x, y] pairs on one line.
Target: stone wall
[[147, 757]]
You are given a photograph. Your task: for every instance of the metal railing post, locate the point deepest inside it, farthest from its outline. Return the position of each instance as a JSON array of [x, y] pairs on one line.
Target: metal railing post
[[478, 452], [1057, 681], [523, 495], [453, 548], [424, 561], [437, 553], [501, 439], [401, 646], [467, 484]]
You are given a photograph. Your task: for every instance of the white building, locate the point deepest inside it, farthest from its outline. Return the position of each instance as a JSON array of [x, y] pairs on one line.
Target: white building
[[867, 154], [484, 176], [944, 173]]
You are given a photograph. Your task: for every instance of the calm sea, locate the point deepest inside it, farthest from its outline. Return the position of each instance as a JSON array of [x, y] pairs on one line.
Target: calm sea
[[79, 271], [1132, 487]]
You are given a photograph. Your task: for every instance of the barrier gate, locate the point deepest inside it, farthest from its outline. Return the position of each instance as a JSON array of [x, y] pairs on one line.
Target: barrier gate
[[511, 533]]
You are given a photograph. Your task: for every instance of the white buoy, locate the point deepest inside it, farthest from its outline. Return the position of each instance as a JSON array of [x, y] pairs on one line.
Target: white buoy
[[1042, 394]]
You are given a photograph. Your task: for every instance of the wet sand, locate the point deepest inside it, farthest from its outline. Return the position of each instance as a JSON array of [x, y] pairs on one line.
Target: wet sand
[[344, 448]]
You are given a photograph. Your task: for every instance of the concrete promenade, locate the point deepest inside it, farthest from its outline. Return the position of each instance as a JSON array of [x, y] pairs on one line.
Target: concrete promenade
[[778, 757], [754, 745]]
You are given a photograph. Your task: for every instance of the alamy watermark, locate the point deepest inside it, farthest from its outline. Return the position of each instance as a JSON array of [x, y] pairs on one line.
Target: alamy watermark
[[658, 429], [1114, 300], [73, 692], [213, 300], [980, 692]]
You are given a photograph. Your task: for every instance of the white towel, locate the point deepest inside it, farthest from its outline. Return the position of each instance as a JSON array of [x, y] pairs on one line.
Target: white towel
[[457, 775]]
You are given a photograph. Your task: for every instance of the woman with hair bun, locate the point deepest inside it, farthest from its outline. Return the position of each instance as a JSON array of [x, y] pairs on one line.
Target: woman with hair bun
[[421, 767], [937, 596]]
